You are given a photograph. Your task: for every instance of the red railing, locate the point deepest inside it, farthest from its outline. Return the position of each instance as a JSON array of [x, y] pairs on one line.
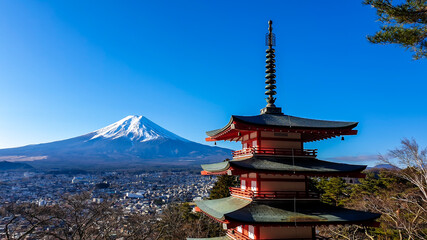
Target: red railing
[[234, 234], [246, 193], [243, 152], [241, 192], [275, 151], [285, 194]]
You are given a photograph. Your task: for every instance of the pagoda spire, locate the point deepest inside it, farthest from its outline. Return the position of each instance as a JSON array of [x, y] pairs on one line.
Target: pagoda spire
[[270, 76]]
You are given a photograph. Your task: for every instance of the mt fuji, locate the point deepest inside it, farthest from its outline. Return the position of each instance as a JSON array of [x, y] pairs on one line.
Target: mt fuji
[[136, 129], [131, 142]]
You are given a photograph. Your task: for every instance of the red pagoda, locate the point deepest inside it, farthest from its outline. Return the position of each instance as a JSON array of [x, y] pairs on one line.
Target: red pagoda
[[273, 200]]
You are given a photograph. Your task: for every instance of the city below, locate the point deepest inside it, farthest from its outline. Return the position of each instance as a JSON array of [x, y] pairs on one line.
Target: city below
[[133, 192]]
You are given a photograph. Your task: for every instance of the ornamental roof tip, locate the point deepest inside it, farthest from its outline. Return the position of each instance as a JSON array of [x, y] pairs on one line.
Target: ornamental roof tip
[[270, 73]]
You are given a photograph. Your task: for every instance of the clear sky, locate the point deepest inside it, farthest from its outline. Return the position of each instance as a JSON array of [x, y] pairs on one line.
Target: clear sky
[[70, 67]]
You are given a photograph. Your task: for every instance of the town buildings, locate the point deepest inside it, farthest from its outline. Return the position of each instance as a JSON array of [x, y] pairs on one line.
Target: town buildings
[[146, 193]]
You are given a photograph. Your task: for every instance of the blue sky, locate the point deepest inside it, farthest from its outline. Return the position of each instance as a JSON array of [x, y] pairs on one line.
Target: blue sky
[[71, 67]]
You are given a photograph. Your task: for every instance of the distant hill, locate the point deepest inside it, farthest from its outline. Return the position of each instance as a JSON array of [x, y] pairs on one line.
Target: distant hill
[[382, 166], [7, 166], [132, 142]]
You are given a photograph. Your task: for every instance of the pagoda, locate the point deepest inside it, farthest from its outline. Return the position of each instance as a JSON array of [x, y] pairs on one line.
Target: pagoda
[[274, 200]]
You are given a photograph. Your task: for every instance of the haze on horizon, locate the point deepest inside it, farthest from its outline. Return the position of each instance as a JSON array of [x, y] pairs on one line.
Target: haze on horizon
[[69, 68]]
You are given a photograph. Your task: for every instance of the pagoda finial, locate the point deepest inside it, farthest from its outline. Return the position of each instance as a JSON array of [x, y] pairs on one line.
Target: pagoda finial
[[270, 41]]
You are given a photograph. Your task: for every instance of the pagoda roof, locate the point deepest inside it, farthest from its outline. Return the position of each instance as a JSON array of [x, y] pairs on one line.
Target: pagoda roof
[[276, 164], [219, 207], [284, 212], [285, 121]]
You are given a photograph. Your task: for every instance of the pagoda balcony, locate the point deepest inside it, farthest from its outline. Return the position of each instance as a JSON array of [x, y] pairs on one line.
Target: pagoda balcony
[[246, 152], [234, 234], [266, 195]]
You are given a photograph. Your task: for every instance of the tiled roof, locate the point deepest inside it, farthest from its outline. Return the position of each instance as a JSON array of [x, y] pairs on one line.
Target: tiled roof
[[284, 212], [286, 165], [285, 121]]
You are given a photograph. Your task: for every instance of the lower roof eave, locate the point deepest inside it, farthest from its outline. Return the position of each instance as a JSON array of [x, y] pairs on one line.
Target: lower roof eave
[[238, 171], [223, 220], [206, 173], [235, 211], [231, 223], [370, 223]]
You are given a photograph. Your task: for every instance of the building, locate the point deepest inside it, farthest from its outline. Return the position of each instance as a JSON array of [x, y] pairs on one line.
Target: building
[[273, 200]]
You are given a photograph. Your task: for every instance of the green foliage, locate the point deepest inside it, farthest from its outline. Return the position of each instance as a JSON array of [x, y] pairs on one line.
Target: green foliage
[[185, 210], [397, 199], [376, 183], [334, 191], [404, 24], [221, 187]]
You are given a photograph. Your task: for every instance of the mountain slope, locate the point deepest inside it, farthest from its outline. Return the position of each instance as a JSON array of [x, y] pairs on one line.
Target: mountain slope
[[131, 141], [7, 166]]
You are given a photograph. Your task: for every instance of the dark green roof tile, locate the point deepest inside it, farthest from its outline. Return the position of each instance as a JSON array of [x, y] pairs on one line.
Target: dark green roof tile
[[286, 165], [285, 121], [282, 212], [218, 207], [216, 167]]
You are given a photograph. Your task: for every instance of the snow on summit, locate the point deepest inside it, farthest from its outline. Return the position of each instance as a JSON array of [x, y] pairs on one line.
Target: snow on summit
[[135, 128]]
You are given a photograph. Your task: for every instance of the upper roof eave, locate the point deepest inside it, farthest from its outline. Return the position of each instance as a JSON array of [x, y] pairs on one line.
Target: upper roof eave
[[284, 121], [216, 131]]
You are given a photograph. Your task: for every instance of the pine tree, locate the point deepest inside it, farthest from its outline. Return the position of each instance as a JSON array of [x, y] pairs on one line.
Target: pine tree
[[334, 191], [404, 24], [221, 187]]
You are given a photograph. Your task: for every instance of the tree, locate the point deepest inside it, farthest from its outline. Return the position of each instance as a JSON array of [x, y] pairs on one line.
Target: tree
[[76, 217], [386, 193], [398, 194], [138, 226], [222, 185], [24, 220], [179, 222], [414, 159], [380, 192], [333, 191], [404, 24], [409, 212]]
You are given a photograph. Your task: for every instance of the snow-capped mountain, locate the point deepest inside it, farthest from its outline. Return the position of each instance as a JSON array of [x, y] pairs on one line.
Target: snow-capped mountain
[[132, 141], [135, 128]]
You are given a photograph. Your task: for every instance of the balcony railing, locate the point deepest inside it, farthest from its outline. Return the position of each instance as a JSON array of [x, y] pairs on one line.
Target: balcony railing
[[234, 191], [234, 234], [275, 151], [246, 193]]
